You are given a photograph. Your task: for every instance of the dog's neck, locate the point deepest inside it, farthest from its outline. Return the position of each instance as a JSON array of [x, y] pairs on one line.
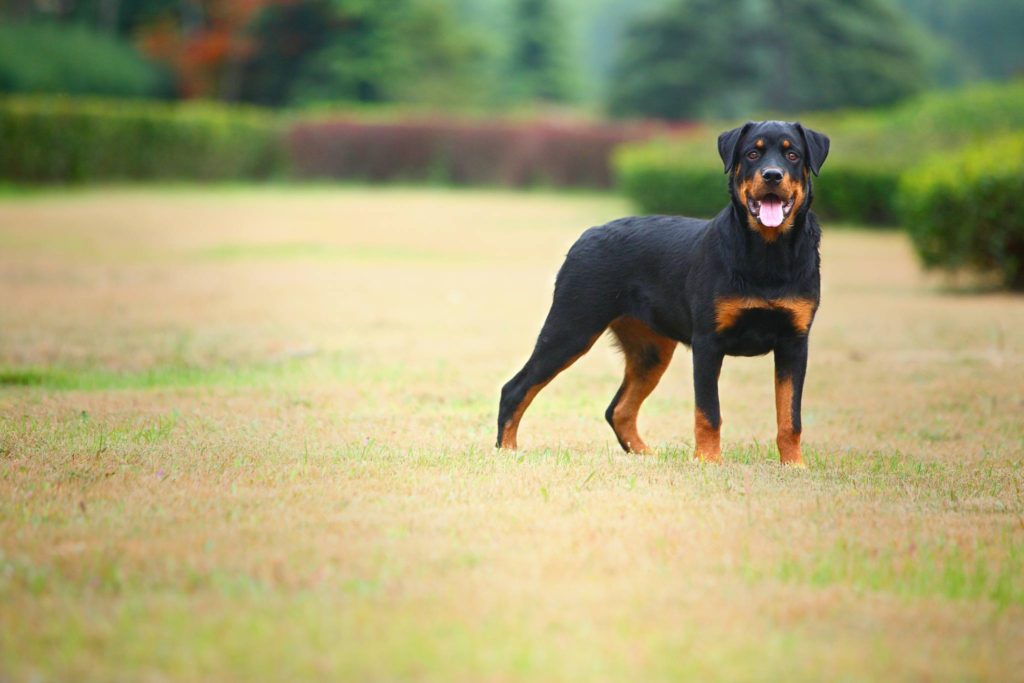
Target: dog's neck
[[760, 260]]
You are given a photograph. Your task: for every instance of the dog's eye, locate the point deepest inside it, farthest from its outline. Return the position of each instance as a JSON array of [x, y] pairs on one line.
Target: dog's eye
[[753, 156], [792, 156]]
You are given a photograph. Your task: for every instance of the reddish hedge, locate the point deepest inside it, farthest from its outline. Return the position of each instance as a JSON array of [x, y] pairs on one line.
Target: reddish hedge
[[517, 154]]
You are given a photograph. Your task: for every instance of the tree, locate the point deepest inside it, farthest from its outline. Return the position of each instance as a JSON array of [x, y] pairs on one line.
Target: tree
[[538, 63], [357, 50], [198, 41], [684, 62], [985, 34], [833, 53], [284, 38], [203, 42], [728, 57]]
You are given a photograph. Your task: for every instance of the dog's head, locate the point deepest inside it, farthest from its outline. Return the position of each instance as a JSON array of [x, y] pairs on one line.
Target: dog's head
[[770, 165]]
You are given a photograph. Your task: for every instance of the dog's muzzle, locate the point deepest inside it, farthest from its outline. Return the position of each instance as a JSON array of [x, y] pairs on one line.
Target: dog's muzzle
[[771, 210]]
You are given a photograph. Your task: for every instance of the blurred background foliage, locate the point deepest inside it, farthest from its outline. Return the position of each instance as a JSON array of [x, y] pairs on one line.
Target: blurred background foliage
[[41, 57], [715, 57], [674, 59], [563, 93]]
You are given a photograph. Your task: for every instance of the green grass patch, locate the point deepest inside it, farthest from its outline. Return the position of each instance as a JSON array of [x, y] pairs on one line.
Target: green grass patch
[[928, 568], [170, 376]]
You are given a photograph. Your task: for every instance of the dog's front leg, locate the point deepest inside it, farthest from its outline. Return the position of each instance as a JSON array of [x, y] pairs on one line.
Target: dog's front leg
[[707, 364], [790, 369]]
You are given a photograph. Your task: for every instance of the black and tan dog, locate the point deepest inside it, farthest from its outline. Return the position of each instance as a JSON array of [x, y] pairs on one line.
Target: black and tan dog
[[742, 284]]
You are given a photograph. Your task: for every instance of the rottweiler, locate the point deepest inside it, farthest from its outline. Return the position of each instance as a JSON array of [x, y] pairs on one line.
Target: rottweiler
[[744, 283]]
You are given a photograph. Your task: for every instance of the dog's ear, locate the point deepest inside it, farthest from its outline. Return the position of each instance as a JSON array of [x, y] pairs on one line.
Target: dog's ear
[[729, 141], [816, 145]]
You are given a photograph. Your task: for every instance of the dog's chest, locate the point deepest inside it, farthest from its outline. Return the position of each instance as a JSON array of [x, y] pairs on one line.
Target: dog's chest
[[751, 326]]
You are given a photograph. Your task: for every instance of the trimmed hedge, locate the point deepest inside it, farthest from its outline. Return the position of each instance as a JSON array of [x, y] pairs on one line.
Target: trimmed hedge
[[70, 140], [515, 154], [60, 139], [964, 210], [857, 194], [660, 181]]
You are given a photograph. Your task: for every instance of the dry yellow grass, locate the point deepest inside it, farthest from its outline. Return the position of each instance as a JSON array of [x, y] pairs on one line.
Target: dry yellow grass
[[248, 435]]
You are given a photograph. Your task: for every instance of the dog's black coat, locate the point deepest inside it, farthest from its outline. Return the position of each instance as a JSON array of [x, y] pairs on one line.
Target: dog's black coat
[[679, 276]]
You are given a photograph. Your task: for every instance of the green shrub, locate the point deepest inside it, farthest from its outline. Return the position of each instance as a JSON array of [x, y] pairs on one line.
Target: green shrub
[[963, 210], [661, 178], [70, 140], [73, 60], [896, 137], [857, 194]]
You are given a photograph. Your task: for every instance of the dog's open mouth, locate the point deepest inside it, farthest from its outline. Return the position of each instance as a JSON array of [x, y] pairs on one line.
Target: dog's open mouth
[[770, 210]]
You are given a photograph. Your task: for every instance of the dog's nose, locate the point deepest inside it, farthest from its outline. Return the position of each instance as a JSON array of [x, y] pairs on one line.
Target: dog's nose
[[772, 175]]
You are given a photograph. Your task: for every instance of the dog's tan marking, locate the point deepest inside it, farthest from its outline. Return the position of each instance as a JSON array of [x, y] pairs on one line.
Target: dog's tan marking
[[788, 439], [759, 144], [786, 144], [648, 355], [800, 310], [729, 309], [755, 187], [708, 439], [743, 190]]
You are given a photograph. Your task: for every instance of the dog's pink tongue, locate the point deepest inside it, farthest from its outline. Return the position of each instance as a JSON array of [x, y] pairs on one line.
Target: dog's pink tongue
[[771, 212]]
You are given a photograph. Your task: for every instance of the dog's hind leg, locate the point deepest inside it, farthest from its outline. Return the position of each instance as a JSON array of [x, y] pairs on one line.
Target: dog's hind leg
[[558, 346], [648, 355]]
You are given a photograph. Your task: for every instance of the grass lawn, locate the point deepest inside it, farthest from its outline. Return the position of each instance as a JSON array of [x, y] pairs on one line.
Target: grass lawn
[[247, 435]]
